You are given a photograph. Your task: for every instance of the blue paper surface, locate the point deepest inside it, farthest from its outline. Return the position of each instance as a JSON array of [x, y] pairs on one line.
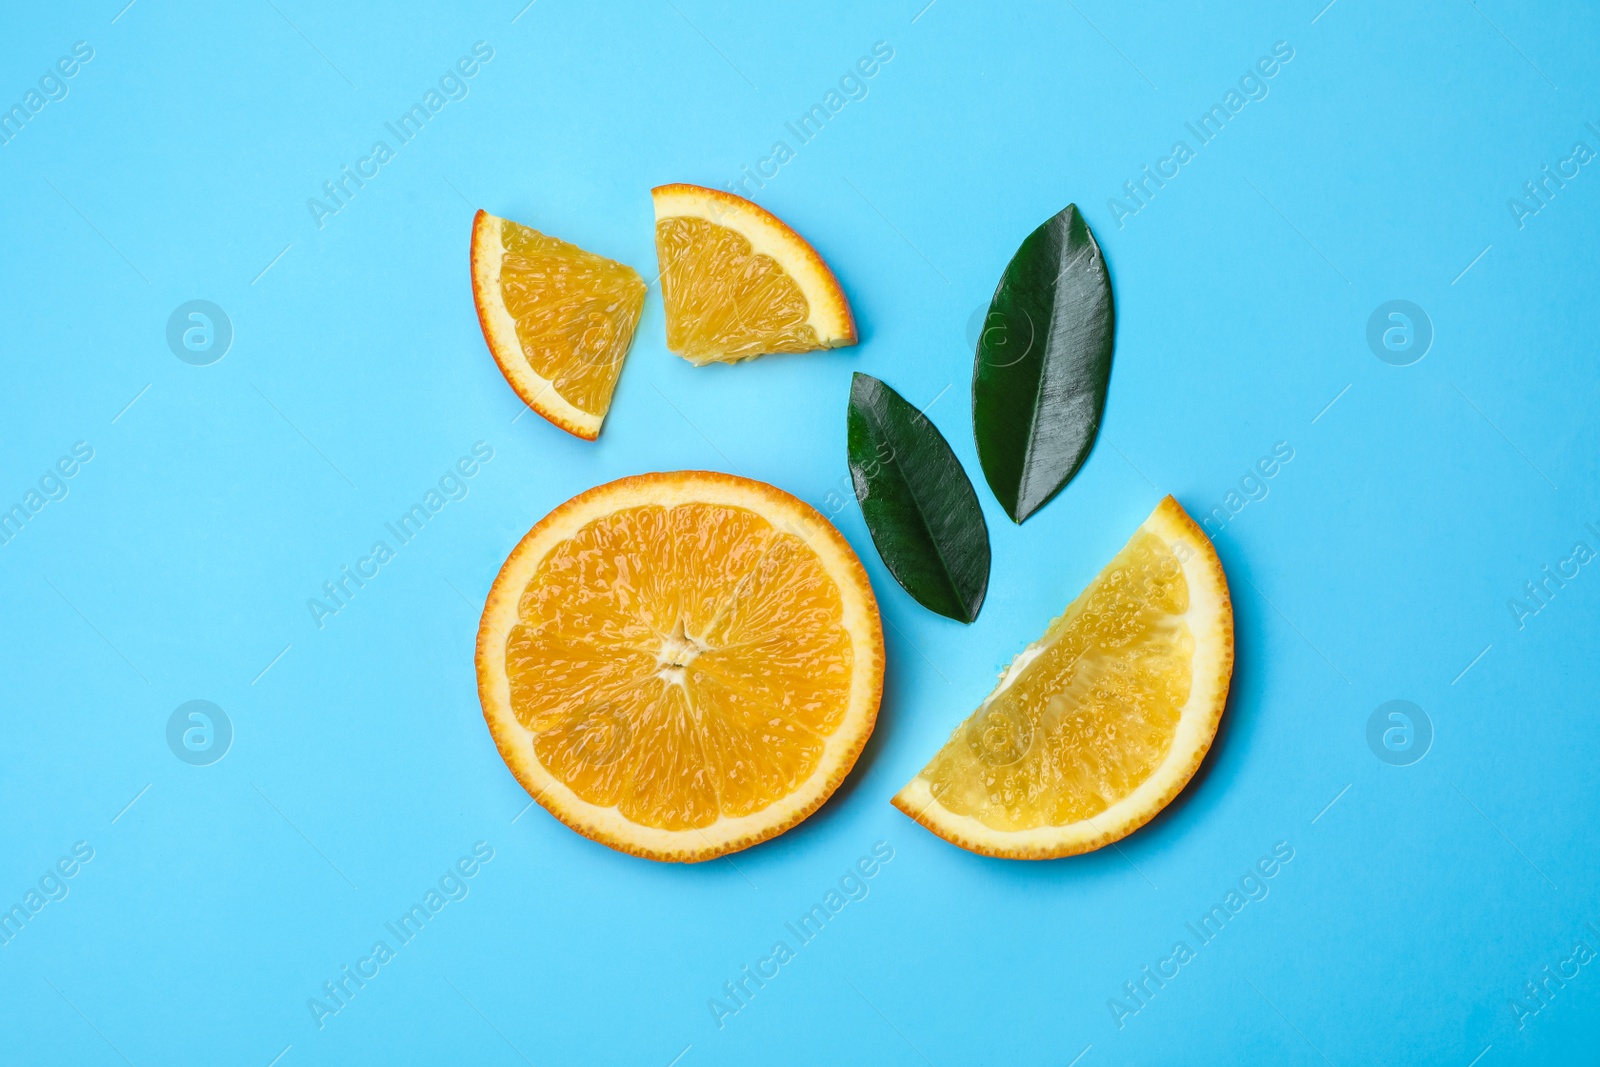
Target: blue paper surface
[[188, 484]]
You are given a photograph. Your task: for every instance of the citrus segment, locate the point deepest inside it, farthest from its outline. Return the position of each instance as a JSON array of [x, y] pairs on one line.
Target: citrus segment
[[1101, 722], [738, 283], [558, 320], [681, 665]]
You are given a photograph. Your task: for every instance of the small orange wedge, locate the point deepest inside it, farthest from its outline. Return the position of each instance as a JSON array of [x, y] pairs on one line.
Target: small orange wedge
[[558, 320], [738, 283]]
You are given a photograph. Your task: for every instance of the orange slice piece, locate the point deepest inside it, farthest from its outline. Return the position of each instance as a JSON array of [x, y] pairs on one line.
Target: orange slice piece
[[681, 665], [738, 283], [558, 320], [1096, 726]]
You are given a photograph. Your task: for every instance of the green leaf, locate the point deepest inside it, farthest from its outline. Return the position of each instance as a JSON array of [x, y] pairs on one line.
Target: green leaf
[[1043, 363], [919, 505]]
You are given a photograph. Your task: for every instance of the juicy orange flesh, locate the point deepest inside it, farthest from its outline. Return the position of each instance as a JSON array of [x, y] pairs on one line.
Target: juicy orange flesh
[[724, 300], [681, 663], [575, 313], [1092, 715]]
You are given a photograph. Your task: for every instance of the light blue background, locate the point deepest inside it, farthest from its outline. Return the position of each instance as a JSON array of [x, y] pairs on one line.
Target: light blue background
[[1379, 566]]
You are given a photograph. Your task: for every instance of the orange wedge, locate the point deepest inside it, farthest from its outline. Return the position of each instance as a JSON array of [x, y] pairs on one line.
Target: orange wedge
[[681, 665], [558, 320], [1096, 726], [738, 283]]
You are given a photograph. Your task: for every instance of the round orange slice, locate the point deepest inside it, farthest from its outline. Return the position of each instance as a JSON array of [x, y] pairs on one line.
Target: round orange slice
[[738, 283], [681, 665], [558, 320], [1096, 726]]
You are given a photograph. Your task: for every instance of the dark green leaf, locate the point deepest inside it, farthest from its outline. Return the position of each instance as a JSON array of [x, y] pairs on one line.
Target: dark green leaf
[[1043, 362], [917, 501]]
